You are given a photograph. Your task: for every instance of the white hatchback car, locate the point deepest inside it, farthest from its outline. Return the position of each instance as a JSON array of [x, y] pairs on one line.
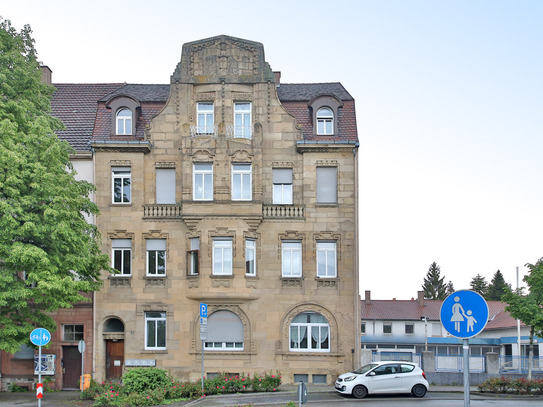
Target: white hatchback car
[[384, 377]]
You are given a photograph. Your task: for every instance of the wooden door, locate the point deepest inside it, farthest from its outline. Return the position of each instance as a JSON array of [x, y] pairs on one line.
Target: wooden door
[[114, 358], [71, 361]]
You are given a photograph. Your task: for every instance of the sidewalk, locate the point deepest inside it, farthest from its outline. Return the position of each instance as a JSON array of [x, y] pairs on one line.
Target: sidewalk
[[288, 392]]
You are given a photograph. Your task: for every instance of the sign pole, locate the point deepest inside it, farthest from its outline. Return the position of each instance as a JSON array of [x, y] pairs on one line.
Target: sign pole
[[466, 372], [202, 367], [39, 372], [203, 335]]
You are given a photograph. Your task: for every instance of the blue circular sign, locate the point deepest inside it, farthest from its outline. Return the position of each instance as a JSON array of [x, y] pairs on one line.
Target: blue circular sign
[[464, 314], [40, 336]]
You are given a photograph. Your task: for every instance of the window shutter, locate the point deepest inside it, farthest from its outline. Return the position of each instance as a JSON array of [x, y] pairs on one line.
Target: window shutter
[[282, 176], [165, 186], [326, 185], [156, 244], [224, 326], [122, 243]]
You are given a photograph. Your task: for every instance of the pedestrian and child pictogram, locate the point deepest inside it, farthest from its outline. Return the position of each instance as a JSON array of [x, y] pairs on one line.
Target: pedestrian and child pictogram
[[464, 313]]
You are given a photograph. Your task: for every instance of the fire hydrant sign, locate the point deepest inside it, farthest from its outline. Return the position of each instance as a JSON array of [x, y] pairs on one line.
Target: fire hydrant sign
[[39, 390]]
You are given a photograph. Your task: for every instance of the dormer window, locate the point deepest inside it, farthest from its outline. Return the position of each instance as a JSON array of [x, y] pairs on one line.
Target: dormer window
[[325, 121], [124, 122]]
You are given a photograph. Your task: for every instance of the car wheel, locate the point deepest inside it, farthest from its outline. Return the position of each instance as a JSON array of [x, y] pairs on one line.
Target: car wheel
[[418, 390], [360, 392]]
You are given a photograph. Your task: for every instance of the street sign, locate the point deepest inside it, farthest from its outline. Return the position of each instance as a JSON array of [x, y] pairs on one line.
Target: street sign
[[203, 310], [39, 390], [464, 314], [40, 336], [203, 321], [81, 346], [203, 332]]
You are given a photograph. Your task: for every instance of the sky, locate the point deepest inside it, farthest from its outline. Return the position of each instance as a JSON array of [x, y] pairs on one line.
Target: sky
[[449, 100]]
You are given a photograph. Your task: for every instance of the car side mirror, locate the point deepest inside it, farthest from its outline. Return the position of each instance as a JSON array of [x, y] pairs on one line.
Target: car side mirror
[[371, 374]]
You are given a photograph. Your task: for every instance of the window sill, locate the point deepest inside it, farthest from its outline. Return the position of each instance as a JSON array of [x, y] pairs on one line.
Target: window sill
[[159, 351], [229, 276], [151, 277], [120, 204]]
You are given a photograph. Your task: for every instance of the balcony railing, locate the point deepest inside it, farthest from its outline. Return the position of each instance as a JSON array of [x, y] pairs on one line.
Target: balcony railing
[[162, 211], [238, 132], [203, 131], [283, 211]]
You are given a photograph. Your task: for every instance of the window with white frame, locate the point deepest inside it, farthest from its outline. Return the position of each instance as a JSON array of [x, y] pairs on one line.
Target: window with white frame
[[325, 121], [363, 328], [224, 332], [242, 119], [222, 256], [155, 330], [242, 182], [291, 258], [72, 332], [309, 332], [193, 257], [121, 184], [326, 259], [387, 328], [203, 181], [409, 328], [122, 255], [326, 185], [156, 257], [250, 257], [205, 117], [282, 186], [165, 185], [124, 122]]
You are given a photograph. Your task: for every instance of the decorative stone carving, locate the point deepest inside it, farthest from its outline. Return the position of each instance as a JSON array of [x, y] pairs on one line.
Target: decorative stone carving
[[155, 282], [120, 281]]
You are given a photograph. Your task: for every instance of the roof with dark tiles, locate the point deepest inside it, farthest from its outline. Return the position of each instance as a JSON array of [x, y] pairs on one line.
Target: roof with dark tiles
[[76, 105], [296, 92], [141, 93]]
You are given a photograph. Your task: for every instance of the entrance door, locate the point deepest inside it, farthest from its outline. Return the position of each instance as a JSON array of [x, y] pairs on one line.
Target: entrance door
[[71, 359], [114, 358]]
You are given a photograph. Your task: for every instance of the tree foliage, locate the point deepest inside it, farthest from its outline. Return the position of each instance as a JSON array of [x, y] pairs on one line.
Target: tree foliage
[[434, 286], [49, 254], [528, 307], [479, 285], [497, 287]]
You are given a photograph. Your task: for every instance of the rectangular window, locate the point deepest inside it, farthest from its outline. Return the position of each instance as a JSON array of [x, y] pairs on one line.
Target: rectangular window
[[363, 328], [203, 181], [282, 186], [409, 328], [387, 328], [165, 185], [72, 332], [121, 180], [241, 182], [222, 256], [242, 120], [193, 258], [156, 257], [250, 257], [155, 330], [326, 259], [122, 255], [291, 254], [204, 113], [326, 185]]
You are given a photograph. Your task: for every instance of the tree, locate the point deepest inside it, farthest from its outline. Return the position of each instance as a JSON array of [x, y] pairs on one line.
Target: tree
[[434, 286], [49, 254], [497, 287], [479, 285], [528, 307]]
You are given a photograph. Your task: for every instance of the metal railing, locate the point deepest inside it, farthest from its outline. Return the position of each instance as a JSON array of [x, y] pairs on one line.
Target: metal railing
[[399, 356], [455, 363], [239, 132], [203, 131], [516, 364]]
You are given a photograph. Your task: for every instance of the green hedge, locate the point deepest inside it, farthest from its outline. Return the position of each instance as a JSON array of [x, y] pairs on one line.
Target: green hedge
[[512, 386]]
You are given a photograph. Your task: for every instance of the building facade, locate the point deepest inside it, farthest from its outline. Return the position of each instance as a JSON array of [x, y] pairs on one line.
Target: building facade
[[230, 189]]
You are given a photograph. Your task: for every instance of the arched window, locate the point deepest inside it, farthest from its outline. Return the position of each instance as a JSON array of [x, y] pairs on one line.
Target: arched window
[[114, 325], [309, 332], [124, 122], [224, 332], [325, 121]]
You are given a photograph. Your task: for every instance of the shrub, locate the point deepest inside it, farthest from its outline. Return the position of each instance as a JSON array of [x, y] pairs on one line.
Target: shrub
[[15, 388], [141, 379], [268, 382]]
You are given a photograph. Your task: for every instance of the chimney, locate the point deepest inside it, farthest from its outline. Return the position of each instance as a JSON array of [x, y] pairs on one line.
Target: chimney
[[277, 78], [367, 297], [46, 75], [420, 298]]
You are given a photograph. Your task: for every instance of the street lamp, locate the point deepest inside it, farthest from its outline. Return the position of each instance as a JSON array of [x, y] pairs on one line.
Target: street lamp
[[425, 319]]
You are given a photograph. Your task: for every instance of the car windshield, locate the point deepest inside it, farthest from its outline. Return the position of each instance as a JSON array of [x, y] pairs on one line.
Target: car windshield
[[365, 368]]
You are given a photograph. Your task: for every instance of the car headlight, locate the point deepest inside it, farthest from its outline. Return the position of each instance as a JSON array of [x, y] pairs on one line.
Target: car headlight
[[349, 378]]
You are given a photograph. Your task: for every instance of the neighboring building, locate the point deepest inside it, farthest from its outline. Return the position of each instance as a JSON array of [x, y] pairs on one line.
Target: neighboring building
[[404, 328], [231, 189]]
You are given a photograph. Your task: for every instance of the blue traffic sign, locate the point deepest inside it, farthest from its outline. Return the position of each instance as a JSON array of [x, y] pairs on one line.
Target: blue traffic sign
[[40, 336], [464, 313], [203, 310]]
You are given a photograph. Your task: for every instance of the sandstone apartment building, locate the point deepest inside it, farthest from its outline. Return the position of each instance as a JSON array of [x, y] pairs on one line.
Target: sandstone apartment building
[[228, 188]]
